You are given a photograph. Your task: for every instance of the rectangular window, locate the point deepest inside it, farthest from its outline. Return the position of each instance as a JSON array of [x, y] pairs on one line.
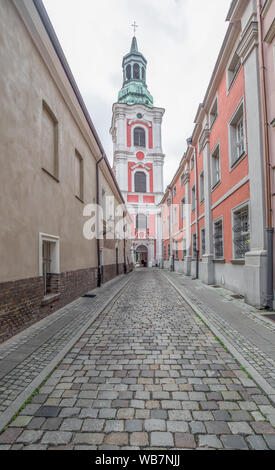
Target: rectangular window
[[164, 252], [237, 135], [175, 191], [241, 232], [183, 248], [192, 162], [202, 186], [183, 209], [79, 176], [182, 180], [233, 69], [216, 167], [177, 250], [218, 239], [193, 197], [203, 241], [213, 113], [49, 141], [169, 252], [194, 245], [49, 262]]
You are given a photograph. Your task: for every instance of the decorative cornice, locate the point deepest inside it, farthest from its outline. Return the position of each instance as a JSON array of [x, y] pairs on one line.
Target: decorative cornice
[[186, 177], [141, 121], [270, 33], [249, 40], [266, 7]]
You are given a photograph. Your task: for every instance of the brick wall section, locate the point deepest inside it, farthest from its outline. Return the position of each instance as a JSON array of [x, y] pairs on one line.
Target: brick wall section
[[20, 301]]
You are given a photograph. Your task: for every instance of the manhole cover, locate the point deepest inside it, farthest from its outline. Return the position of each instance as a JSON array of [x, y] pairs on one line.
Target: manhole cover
[[271, 317], [238, 297], [89, 296]]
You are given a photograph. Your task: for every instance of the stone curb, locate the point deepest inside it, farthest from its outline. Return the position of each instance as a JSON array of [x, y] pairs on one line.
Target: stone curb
[[21, 399], [262, 383]]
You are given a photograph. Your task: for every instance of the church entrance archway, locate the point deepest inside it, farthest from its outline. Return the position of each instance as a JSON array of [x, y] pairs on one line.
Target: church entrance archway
[[142, 256]]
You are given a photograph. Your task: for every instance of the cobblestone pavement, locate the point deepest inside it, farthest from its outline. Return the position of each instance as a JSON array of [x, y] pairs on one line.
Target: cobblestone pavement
[[263, 364], [56, 331], [148, 374]]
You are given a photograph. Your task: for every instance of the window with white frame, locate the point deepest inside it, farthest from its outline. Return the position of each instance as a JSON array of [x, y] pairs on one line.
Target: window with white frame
[[49, 262], [183, 248], [192, 162], [202, 186], [233, 69], [140, 182], [218, 239], [203, 241], [49, 141], [193, 197], [176, 214], [213, 113], [241, 232], [216, 166], [139, 137], [175, 191], [237, 135]]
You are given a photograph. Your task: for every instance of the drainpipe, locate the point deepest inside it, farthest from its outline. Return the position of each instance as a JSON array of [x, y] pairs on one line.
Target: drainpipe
[[99, 280], [269, 228], [196, 209]]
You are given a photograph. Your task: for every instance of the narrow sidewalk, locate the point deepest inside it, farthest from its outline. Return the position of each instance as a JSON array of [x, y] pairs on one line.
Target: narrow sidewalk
[[28, 358], [248, 334]]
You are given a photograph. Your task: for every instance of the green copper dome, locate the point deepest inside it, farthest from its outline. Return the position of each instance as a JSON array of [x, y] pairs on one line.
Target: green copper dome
[[134, 89]]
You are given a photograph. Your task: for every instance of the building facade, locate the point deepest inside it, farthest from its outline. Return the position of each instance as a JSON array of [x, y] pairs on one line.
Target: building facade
[[53, 167], [138, 157], [221, 235]]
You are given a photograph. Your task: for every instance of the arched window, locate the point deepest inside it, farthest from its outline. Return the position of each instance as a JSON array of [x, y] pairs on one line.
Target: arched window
[[139, 137], [128, 72], [143, 73], [141, 221], [136, 72], [140, 182]]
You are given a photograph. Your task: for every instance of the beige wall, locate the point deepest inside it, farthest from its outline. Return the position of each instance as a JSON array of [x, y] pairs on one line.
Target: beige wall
[[31, 200]]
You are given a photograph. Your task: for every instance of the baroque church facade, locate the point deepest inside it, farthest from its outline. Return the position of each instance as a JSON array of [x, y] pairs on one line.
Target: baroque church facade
[[139, 158]]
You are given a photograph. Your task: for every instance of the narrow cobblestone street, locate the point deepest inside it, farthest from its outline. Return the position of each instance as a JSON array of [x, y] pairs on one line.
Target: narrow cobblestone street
[[147, 374]]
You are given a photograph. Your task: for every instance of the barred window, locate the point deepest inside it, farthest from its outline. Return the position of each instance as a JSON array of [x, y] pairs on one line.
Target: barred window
[[241, 232], [139, 137], [218, 239], [203, 241], [140, 182]]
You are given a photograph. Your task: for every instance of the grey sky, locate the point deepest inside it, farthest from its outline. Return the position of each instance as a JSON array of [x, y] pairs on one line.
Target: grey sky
[[180, 39]]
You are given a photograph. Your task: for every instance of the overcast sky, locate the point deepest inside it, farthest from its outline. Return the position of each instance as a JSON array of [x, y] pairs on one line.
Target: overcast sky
[[180, 39]]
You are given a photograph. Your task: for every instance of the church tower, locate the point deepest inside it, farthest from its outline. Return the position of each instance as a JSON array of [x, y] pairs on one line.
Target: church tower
[[138, 157]]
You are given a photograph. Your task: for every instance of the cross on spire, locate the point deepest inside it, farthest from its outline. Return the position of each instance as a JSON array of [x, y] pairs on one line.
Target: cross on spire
[[134, 26]]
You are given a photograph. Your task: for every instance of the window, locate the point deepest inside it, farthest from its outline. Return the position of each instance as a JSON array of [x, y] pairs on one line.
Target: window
[[177, 250], [169, 252], [79, 177], [215, 166], [237, 135], [49, 141], [183, 209], [143, 74], [218, 239], [49, 263], [241, 232], [176, 214], [164, 252], [136, 72], [203, 241], [192, 162], [175, 191], [213, 113], [233, 69], [202, 186], [193, 197], [141, 222], [139, 137], [104, 205], [128, 72], [194, 245], [182, 180], [183, 248], [140, 182]]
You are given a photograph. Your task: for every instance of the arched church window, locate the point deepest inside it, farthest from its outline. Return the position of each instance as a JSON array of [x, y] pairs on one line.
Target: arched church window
[[141, 221], [128, 72], [140, 182], [139, 137], [136, 72]]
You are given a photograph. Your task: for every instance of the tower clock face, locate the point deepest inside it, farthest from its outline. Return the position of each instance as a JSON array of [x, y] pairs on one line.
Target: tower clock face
[[139, 116]]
